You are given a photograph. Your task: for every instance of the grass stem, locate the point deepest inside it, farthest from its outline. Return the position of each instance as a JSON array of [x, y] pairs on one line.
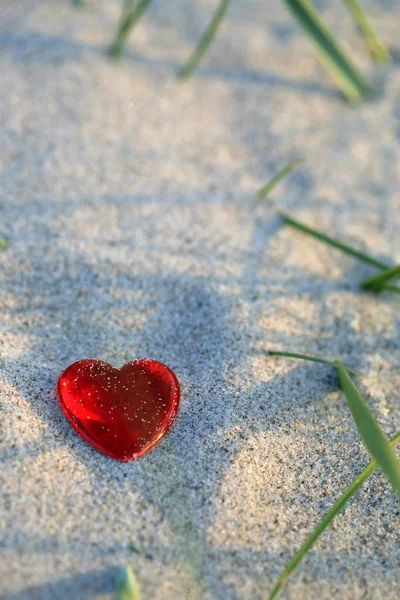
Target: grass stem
[[312, 359], [266, 189], [339, 505], [340, 67], [205, 41], [378, 282], [127, 586], [376, 443], [370, 431], [332, 242], [131, 13], [375, 45]]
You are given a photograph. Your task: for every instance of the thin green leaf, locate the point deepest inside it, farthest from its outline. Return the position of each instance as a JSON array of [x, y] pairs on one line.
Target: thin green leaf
[[312, 359], [375, 45], [127, 587], [205, 41], [131, 14], [3, 244], [377, 283], [342, 70], [332, 242], [135, 548], [266, 189], [78, 3], [325, 521], [370, 431]]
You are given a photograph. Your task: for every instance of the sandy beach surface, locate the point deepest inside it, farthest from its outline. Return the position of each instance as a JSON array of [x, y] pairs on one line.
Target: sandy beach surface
[[128, 201]]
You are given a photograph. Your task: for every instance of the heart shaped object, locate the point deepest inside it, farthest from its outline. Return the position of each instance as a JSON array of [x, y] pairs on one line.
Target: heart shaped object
[[121, 412]]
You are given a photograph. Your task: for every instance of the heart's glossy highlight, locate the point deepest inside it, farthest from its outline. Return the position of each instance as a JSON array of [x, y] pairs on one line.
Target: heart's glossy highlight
[[121, 412]]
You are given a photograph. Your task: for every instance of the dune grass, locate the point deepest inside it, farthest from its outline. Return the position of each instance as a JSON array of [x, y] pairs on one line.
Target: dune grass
[[376, 443], [127, 586], [368, 428], [337, 508], [131, 14], [205, 41], [378, 283], [315, 359], [332, 241], [272, 183], [338, 63], [375, 45]]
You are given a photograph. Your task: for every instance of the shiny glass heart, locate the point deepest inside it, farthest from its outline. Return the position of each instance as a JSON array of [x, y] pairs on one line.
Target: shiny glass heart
[[121, 412]]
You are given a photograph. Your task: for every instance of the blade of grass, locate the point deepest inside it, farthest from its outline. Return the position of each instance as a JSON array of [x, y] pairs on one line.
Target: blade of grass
[[205, 41], [332, 242], [128, 7], [378, 282], [339, 505], [3, 244], [375, 45], [342, 70], [311, 359], [127, 587], [131, 13], [266, 189], [370, 431], [135, 548]]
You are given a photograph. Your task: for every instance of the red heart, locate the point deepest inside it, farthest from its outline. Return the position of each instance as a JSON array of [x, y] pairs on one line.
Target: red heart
[[121, 412]]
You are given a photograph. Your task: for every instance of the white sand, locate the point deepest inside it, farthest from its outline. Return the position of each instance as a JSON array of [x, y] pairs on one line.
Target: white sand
[[128, 201]]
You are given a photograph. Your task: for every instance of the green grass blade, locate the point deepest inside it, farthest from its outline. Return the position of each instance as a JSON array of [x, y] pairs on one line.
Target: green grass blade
[[266, 189], [131, 13], [370, 431], [375, 45], [312, 359], [342, 70], [127, 587], [378, 282], [332, 242], [3, 244], [128, 7], [205, 41], [135, 548], [325, 522]]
